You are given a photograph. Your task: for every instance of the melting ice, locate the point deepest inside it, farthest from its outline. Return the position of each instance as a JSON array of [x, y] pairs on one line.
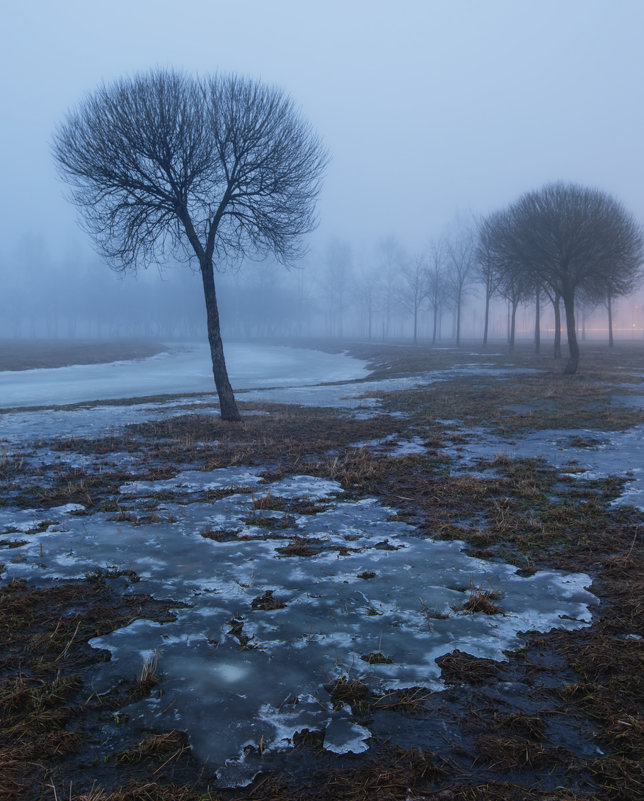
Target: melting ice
[[235, 675]]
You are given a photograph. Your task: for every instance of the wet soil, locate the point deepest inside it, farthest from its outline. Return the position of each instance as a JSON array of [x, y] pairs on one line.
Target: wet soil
[[560, 718]]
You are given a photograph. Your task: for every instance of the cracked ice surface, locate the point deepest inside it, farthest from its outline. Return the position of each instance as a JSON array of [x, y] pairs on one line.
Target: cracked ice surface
[[228, 697]]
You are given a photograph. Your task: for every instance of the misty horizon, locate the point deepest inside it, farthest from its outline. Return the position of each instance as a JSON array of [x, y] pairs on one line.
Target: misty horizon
[[432, 116]]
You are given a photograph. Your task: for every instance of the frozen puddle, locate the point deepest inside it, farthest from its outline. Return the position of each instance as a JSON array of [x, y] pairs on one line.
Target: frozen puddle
[[282, 606], [185, 369], [597, 453], [258, 372]]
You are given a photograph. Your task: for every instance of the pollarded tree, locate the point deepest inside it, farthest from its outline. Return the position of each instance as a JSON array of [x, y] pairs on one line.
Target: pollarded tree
[[218, 168], [621, 280], [502, 272], [567, 237]]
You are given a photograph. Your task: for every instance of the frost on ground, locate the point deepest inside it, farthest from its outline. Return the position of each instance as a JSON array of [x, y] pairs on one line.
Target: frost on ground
[[271, 608], [274, 606]]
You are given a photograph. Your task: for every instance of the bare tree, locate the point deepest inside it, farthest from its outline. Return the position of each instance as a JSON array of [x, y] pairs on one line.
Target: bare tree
[[487, 273], [412, 289], [390, 258], [503, 273], [622, 279], [460, 261], [568, 237], [515, 286], [538, 291], [336, 279], [366, 290], [436, 282], [217, 168]]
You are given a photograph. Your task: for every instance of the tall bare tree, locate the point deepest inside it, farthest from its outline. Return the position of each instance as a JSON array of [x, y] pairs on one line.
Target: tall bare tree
[[217, 168], [412, 289], [568, 237], [437, 282], [460, 260], [366, 292], [486, 271], [502, 273], [391, 257], [622, 279], [336, 282]]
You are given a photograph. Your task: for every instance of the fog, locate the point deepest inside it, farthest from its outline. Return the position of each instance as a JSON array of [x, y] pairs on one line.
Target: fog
[[431, 112]]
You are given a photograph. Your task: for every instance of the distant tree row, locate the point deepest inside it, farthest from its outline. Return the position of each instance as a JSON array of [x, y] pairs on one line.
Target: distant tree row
[[221, 168], [564, 242]]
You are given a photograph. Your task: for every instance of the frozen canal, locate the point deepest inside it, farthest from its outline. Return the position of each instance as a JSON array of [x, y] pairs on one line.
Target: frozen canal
[[182, 369]]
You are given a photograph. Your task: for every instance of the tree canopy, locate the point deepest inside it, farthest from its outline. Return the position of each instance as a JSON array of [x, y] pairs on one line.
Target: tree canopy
[[218, 168], [565, 237]]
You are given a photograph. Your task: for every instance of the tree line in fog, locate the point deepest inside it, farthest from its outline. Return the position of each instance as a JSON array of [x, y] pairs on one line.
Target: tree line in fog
[[450, 289]]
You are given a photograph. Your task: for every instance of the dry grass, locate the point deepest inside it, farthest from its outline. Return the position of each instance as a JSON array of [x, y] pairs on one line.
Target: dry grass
[[483, 601], [506, 714]]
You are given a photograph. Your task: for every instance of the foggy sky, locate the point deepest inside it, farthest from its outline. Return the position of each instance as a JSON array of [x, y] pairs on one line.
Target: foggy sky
[[427, 109]]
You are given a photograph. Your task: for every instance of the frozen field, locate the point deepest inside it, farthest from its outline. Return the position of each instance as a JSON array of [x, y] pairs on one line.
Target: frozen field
[[273, 607]]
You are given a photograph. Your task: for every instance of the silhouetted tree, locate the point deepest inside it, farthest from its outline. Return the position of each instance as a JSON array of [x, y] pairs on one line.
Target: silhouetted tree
[[220, 168], [537, 317], [568, 237], [603, 288], [366, 291], [412, 289], [487, 273], [437, 283], [336, 279], [460, 261], [391, 257]]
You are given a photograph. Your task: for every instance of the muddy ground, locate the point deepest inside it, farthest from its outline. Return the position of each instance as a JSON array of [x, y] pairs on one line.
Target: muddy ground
[[560, 718]]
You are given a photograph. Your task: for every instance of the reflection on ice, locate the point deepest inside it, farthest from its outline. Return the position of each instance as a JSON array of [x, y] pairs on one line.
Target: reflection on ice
[[260, 673]]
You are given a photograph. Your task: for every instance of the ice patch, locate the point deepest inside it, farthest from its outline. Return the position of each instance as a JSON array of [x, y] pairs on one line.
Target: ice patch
[[225, 659]]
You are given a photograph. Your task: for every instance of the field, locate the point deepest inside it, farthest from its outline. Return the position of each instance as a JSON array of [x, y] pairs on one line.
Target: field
[[500, 459]]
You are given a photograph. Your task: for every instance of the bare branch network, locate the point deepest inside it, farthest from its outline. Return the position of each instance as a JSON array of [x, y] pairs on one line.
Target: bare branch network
[[220, 168], [568, 241], [220, 164]]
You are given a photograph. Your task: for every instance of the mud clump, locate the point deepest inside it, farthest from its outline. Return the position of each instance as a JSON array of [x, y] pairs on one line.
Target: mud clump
[[267, 602]]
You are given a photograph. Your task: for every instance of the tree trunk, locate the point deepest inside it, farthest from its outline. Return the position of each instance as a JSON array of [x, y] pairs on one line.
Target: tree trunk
[[487, 316], [227, 405], [415, 326], [583, 324], [537, 323], [458, 320], [573, 346], [435, 326], [557, 309], [609, 306], [513, 318]]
